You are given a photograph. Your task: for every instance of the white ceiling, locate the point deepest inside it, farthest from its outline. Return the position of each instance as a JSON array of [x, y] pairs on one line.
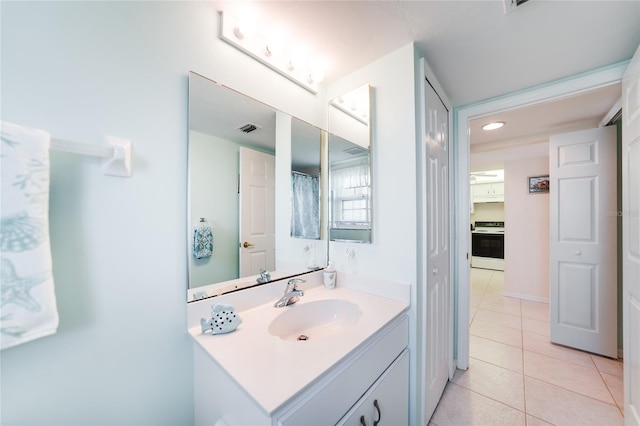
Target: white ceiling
[[477, 52], [527, 130]]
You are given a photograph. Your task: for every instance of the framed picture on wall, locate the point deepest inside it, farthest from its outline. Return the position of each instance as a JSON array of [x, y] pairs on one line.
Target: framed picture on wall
[[538, 184]]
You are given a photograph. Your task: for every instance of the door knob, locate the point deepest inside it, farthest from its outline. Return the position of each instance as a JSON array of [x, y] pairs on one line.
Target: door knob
[[247, 245], [435, 271]]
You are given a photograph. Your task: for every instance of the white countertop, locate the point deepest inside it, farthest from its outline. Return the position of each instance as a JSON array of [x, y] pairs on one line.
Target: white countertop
[[272, 370]]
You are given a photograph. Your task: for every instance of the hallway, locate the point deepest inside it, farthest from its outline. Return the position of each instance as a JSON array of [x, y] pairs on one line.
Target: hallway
[[516, 377]]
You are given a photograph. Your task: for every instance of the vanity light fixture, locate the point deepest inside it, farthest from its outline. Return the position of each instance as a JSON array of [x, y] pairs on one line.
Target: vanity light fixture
[[493, 125], [271, 50], [355, 104]]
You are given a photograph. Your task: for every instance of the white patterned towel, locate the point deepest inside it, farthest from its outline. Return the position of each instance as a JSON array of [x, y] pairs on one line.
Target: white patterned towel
[[28, 305]]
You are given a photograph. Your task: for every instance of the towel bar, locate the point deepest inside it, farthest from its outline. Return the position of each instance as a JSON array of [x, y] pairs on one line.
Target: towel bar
[[117, 153]]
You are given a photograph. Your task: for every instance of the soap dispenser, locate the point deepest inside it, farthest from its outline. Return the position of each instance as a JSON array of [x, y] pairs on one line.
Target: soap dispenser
[[329, 275]]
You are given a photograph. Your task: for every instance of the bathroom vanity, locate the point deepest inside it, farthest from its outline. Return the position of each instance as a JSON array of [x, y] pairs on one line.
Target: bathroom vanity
[[351, 365]]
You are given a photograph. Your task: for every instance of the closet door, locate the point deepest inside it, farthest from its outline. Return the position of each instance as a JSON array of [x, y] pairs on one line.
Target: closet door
[[435, 292]]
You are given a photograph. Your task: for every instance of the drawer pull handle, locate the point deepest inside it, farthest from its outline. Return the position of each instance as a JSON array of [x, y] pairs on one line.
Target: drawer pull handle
[[362, 421], [375, 404]]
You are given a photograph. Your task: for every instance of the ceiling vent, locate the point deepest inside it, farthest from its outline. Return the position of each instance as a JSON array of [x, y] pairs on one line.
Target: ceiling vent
[[356, 150], [511, 5], [248, 127]]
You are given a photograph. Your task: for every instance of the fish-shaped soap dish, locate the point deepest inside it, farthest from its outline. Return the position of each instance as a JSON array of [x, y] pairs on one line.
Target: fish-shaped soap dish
[[223, 320]]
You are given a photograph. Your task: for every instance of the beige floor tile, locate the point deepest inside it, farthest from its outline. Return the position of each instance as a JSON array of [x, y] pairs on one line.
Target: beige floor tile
[[495, 353], [494, 291], [534, 326], [616, 387], [475, 300], [481, 276], [506, 305], [497, 333], [535, 310], [608, 365], [534, 421], [562, 407], [459, 406], [495, 382], [577, 378], [541, 344], [498, 318], [472, 315], [497, 278]]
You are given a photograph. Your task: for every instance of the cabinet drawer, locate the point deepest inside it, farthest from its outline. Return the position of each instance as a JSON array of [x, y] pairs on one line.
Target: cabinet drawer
[[329, 399], [387, 402]]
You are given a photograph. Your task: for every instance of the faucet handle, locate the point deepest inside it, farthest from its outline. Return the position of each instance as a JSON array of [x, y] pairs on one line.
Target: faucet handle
[[292, 284]]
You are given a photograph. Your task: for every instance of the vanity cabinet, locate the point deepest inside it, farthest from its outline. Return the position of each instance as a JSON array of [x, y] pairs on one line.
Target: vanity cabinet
[[385, 403], [488, 192], [377, 370]]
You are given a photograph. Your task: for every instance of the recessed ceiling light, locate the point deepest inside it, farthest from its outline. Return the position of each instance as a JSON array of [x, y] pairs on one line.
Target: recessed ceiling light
[[493, 126]]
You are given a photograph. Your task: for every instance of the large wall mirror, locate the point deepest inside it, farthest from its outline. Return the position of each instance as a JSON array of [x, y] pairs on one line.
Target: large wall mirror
[[350, 186], [232, 209]]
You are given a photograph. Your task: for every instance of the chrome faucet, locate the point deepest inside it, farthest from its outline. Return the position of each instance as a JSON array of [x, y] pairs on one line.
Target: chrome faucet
[[264, 276], [291, 293]]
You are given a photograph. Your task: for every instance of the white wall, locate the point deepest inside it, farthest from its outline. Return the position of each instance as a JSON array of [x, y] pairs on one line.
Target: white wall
[[82, 70], [526, 235], [392, 253]]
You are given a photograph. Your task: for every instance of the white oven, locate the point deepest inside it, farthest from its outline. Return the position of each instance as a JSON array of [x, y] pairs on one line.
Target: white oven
[[487, 245]]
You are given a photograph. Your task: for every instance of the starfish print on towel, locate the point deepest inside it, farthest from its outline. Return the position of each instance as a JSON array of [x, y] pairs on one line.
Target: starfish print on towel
[[16, 290]]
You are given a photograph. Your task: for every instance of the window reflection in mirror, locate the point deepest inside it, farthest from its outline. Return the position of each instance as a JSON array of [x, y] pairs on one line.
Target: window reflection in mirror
[[226, 130], [350, 167]]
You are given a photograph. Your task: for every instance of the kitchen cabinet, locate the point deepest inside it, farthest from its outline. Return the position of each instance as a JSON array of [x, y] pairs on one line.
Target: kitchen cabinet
[[490, 192]]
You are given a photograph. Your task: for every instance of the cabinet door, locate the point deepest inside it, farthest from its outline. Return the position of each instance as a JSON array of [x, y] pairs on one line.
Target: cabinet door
[[497, 188], [481, 190], [488, 192], [387, 401]]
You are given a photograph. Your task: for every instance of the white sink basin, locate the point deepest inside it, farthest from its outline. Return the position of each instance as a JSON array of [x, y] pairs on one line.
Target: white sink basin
[[315, 320]]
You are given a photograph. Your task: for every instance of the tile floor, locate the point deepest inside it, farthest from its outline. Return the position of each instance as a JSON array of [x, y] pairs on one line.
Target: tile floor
[[516, 377]]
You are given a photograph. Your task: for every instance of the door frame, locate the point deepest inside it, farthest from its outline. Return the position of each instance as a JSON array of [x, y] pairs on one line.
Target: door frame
[[580, 83]]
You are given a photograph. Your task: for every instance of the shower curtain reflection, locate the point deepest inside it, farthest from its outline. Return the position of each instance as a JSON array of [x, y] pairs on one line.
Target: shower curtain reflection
[[305, 215]]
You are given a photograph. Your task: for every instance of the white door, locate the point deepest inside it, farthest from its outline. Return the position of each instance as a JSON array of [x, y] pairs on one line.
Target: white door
[[583, 240], [257, 212], [435, 297], [631, 239]]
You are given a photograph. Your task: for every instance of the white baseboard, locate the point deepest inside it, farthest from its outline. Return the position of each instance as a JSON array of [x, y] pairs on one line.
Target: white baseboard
[[526, 297]]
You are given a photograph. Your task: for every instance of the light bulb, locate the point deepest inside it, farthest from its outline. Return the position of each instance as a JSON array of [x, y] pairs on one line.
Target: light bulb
[[317, 73], [247, 26], [298, 58], [275, 44]]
